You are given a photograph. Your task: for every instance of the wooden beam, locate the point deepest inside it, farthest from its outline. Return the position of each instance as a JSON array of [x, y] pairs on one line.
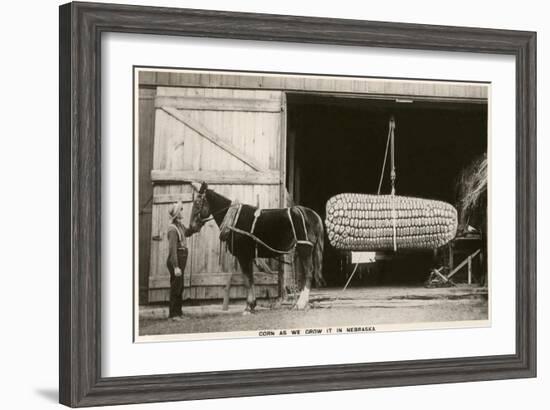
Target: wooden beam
[[264, 267], [171, 198], [211, 136], [429, 90], [438, 273], [216, 279], [282, 187], [217, 177], [219, 104], [282, 150], [463, 263]]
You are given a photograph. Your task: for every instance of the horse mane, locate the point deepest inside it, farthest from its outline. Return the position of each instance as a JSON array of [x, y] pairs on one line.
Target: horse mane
[[217, 203]]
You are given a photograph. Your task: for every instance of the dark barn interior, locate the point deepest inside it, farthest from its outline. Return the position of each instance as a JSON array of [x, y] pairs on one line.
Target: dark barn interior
[[336, 144]]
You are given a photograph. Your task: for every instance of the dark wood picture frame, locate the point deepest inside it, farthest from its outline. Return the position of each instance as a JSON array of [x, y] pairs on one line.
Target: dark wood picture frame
[[81, 27]]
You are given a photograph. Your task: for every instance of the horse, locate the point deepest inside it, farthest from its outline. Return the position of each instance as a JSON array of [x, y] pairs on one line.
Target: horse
[[250, 232]]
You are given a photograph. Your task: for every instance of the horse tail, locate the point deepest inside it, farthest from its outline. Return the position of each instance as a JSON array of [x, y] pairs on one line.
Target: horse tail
[[318, 261], [315, 233], [318, 253]]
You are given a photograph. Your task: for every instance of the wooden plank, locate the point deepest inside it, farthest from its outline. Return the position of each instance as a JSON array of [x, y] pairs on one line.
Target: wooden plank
[[171, 198], [465, 92], [464, 262], [216, 279], [214, 293], [282, 150], [282, 186], [159, 295], [202, 130], [237, 279], [219, 104], [185, 155], [217, 177], [438, 273], [263, 266], [145, 134], [155, 269], [147, 77]]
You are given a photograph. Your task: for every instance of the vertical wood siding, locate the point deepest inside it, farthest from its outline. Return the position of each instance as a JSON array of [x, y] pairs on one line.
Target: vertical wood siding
[[145, 161], [228, 115], [374, 86]]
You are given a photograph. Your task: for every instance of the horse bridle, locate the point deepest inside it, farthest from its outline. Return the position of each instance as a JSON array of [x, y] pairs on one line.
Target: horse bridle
[[201, 198]]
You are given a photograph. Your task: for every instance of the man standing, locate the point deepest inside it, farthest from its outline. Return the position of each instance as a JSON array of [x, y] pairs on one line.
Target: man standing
[[177, 258]]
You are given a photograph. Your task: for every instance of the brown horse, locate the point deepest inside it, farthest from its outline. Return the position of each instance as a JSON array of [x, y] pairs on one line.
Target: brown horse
[[250, 232]]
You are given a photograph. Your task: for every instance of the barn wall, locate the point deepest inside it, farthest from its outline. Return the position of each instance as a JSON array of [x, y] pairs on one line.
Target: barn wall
[[232, 140], [432, 90], [146, 133]]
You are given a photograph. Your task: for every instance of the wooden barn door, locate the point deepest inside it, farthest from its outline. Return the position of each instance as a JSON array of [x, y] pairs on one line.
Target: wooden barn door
[[233, 140]]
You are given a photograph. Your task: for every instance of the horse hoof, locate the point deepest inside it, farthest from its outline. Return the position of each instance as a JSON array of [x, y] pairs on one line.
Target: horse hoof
[[247, 312], [301, 306]]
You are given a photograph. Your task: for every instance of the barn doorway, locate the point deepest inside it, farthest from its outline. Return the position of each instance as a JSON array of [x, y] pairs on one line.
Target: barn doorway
[[336, 144]]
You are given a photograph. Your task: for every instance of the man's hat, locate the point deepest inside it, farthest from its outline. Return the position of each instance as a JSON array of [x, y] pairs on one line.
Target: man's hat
[[175, 210]]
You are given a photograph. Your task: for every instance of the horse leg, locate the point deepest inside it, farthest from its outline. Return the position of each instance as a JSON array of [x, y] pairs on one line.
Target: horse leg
[[248, 272], [305, 255]]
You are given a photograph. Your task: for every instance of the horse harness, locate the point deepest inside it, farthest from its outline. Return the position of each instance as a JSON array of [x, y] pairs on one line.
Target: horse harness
[[230, 225], [258, 241]]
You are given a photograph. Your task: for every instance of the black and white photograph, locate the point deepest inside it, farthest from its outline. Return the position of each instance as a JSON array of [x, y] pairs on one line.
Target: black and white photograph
[[275, 205], [278, 205]]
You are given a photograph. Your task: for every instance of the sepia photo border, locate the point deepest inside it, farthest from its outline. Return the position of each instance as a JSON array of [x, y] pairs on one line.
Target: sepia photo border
[[304, 331]]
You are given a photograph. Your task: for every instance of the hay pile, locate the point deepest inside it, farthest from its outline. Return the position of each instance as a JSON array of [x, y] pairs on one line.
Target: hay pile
[[472, 193]]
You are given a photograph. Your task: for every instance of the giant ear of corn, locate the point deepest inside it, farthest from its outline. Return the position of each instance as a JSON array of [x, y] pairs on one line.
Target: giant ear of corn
[[361, 222]]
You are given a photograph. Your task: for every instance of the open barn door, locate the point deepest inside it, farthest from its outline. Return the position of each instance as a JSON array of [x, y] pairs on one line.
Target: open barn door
[[233, 140]]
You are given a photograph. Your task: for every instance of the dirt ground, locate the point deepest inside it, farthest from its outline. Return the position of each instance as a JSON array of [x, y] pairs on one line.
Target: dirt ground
[[328, 307]]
